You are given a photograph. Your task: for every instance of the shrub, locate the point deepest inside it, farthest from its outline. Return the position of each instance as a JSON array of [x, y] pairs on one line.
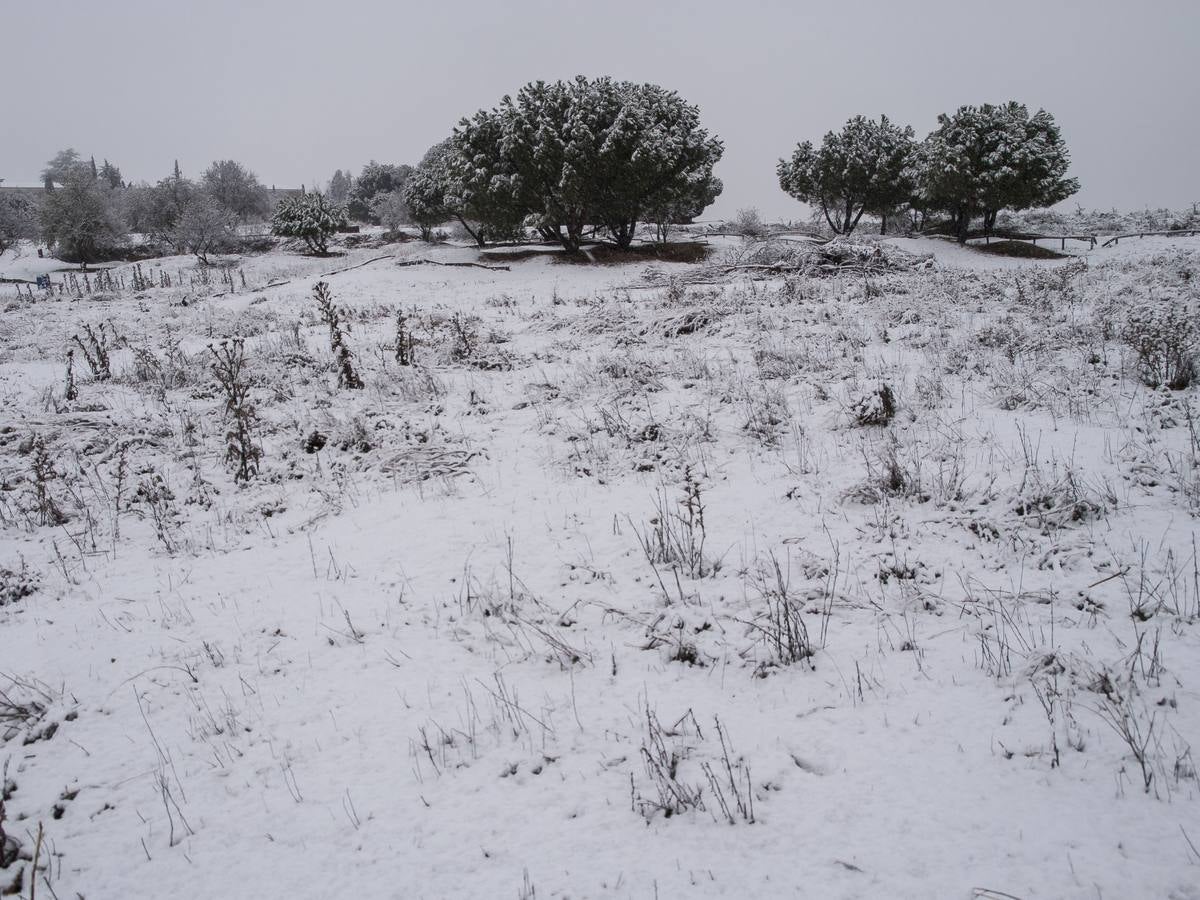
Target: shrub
[[877, 407], [1164, 337], [311, 217], [332, 317], [748, 223], [229, 368]]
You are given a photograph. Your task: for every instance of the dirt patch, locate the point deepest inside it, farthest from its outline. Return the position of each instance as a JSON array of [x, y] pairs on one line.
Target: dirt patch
[[607, 254], [1019, 249]]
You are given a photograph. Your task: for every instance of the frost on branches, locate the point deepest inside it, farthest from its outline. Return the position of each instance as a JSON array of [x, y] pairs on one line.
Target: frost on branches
[[311, 217]]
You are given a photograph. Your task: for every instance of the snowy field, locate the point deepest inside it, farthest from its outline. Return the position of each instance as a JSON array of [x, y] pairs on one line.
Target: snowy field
[[637, 584]]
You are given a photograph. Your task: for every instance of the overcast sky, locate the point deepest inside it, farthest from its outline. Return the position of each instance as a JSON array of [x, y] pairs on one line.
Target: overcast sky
[[297, 89]]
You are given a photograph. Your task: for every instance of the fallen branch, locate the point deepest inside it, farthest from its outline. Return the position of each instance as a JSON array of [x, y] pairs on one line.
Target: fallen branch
[[274, 284], [434, 262]]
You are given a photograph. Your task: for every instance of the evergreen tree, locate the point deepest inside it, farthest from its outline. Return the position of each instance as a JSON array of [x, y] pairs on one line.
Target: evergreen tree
[[339, 186], [985, 159], [577, 154], [425, 192], [695, 197], [111, 175], [866, 167]]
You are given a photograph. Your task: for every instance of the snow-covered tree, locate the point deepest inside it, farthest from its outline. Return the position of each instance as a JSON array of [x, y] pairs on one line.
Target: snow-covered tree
[[64, 164], [376, 178], [864, 168], [18, 219], [311, 217], [206, 226], [111, 175], [155, 210], [455, 180], [481, 185], [339, 186], [391, 210], [82, 216], [985, 159], [693, 198], [237, 189], [581, 153], [425, 191]]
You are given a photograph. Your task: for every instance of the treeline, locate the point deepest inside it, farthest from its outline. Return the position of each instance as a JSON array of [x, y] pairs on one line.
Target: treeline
[[562, 160], [569, 160], [559, 159], [88, 211], [978, 162]]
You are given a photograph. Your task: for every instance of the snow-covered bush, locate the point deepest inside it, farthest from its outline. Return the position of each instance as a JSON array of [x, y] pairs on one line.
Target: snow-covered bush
[[748, 223], [311, 217], [866, 167], [1165, 338], [17, 584], [18, 219], [876, 407]]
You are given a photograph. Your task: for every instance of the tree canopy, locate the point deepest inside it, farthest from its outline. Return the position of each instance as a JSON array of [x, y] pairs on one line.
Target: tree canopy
[[568, 155], [865, 167], [237, 189], [984, 159]]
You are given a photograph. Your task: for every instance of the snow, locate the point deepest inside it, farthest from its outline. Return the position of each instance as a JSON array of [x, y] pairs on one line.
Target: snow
[[420, 662], [22, 263]]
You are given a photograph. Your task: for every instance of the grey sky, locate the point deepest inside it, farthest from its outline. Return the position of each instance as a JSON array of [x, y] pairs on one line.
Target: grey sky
[[296, 89]]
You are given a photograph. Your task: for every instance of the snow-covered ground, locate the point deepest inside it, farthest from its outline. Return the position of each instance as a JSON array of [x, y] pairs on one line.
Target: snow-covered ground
[[620, 591]]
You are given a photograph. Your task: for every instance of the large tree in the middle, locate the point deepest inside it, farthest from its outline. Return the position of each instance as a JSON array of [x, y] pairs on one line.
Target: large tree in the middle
[[580, 153]]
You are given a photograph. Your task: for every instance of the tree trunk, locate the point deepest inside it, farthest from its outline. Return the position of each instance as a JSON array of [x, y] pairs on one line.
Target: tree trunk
[[854, 224], [883, 223], [836, 228], [623, 234], [964, 225], [571, 238], [478, 237]]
